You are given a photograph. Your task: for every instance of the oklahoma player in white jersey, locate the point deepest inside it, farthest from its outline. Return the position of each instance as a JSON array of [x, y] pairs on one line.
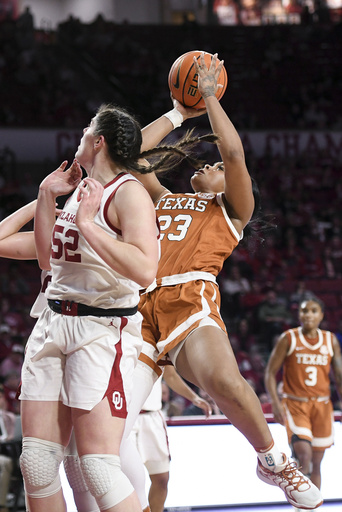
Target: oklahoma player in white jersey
[[16, 244], [82, 351], [181, 310], [307, 355]]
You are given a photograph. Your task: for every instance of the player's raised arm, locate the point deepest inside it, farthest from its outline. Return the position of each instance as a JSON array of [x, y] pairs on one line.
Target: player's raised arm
[[238, 185]]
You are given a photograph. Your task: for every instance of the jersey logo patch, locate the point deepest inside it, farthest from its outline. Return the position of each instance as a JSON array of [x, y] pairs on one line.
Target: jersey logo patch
[[269, 460], [117, 400]]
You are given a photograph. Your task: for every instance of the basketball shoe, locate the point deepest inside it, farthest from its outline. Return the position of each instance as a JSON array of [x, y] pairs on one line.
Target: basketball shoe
[[299, 490]]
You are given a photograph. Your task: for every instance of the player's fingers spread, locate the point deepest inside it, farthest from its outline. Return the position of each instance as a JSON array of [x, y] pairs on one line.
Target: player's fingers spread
[[196, 63], [219, 69], [213, 61], [83, 187], [202, 61], [63, 166], [75, 165], [220, 66]]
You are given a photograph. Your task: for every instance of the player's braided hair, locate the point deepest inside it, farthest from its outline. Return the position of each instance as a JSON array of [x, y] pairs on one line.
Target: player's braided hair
[[122, 133], [259, 225], [173, 154]]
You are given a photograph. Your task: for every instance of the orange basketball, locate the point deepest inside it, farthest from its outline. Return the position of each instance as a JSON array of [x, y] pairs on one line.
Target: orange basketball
[[183, 80]]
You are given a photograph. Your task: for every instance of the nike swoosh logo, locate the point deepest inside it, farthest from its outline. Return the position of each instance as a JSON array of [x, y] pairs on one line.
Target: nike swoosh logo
[[176, 85]]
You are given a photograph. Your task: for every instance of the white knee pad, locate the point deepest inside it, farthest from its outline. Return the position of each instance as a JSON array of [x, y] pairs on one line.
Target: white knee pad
[[74, 473], [105, 480], [39, 464], [85, 502]]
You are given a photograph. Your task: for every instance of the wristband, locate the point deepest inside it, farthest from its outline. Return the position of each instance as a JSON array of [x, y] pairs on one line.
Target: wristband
[[175, 117]]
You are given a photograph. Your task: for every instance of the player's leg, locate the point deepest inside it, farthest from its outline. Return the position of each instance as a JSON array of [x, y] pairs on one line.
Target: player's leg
[[99, 450], [143, 380], [144, 377], [302, 452], [207, 360], [153, 444], [84, 500], [46, 430], [158, 491], [323, 435], [134, 469], [317, 457]]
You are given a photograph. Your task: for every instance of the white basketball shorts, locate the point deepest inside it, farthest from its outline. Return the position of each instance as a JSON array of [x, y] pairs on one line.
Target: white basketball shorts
[[81, 359]]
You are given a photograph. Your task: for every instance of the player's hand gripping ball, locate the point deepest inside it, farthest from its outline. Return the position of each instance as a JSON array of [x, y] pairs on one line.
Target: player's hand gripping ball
[[183, 80]]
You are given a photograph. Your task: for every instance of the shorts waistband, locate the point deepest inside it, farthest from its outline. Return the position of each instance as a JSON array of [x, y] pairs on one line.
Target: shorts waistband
[[179, 279], [70, 308], [306, 399]]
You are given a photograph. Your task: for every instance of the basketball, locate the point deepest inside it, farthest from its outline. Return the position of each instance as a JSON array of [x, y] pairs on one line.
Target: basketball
[[183, 80]]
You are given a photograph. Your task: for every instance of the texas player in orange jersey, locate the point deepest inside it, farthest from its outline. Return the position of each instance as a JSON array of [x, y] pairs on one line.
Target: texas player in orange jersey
[[306, 354], [182, 309]]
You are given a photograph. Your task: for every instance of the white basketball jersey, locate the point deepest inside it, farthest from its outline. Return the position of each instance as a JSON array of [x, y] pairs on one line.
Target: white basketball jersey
[[40, 303], [79, 274]]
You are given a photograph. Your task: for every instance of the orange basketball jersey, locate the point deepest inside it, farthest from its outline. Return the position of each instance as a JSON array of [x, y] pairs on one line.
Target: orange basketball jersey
[[307, 365], [196, 233]]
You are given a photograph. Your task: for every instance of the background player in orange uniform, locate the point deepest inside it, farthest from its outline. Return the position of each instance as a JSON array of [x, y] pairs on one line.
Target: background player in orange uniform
[[182, 310], [306, 355]]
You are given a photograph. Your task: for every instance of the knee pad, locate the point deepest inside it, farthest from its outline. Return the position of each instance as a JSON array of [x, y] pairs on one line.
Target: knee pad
[[84, 500], [105, 480], [39, 464], [74, 473]]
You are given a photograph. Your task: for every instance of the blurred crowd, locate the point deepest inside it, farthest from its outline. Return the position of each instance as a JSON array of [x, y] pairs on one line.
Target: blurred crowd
[[280, 76], [259, 12], [262, 283]]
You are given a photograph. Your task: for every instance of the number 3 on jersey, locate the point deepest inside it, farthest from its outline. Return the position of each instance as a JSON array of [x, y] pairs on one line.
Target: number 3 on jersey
[[312, 376], [179, 230]]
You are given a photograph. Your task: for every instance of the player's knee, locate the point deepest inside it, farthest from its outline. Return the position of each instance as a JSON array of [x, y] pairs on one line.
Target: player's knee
[[74, 473], [105, 480], [39, 464], [160, 481]]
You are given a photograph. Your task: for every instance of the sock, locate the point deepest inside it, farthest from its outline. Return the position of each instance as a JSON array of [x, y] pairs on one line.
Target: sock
[[270, 457]]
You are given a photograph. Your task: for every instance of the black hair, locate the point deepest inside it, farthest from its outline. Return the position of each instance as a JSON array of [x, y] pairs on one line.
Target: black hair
[[259, 224], [122, 133], [313, 299], [181, 150]]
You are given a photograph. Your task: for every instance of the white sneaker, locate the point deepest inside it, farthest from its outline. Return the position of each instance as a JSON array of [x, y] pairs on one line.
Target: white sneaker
[[299, 490]]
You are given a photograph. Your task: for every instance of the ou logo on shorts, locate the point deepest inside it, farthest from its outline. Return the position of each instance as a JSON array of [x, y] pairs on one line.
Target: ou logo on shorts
[[117, 400]]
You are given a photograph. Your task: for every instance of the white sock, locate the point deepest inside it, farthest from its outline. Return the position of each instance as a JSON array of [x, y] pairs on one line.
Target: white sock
[[270, 457]]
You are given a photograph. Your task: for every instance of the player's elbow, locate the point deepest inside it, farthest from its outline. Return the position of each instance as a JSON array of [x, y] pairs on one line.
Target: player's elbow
[[44, 263], [147, 276]]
